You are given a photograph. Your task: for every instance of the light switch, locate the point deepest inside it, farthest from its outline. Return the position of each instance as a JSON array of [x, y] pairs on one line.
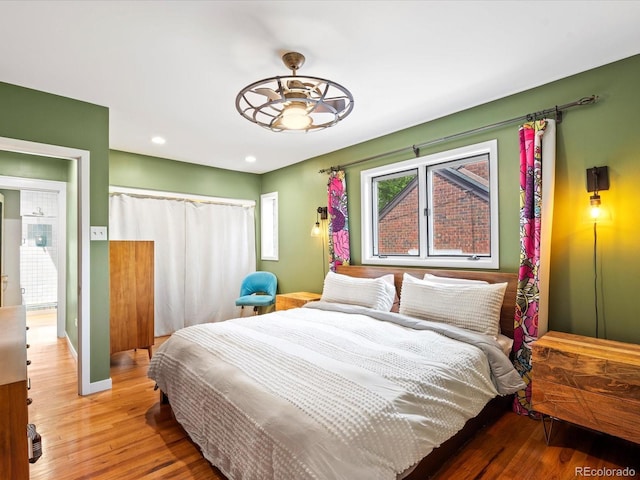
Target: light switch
[[98, 233]]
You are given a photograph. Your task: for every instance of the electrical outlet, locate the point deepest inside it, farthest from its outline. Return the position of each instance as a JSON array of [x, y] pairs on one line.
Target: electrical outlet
[[98, 233]]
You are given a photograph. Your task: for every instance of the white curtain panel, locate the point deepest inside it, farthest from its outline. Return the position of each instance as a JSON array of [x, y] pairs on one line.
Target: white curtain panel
[[201, 254], [548, 189], [220, 252]]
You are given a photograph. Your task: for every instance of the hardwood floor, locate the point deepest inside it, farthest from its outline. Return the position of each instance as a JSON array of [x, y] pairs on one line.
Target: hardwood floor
[[126, 434], [120, 434]]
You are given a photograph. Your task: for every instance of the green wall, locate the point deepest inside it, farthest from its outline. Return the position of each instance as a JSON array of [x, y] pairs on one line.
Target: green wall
[[153, 173], [21, 165], [601, 134], [36, 116], [302, 262]]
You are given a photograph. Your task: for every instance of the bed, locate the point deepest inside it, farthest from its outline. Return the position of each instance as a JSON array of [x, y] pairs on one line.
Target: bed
[[359, 385]]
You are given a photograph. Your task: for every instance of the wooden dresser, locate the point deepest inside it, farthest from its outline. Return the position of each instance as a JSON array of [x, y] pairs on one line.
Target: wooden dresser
[[285, 301], [590, 382], [131, 290], [14, 454]]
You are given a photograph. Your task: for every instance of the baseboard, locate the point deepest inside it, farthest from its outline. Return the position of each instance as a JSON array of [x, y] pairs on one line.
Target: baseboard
[[72, 349], [102, 385], [94, 387]]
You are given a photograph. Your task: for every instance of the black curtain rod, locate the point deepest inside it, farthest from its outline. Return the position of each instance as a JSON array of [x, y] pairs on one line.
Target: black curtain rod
[[555, 111]]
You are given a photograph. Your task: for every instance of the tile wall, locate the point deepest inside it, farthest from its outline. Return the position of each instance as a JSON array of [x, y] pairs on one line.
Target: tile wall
[[39, 249]]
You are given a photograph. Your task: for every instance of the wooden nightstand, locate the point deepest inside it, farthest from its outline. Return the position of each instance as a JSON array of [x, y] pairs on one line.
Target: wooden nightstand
[[285, 301], [590, 382]]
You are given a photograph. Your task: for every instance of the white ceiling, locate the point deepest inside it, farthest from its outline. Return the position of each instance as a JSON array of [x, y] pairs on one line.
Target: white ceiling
[[174, 68]]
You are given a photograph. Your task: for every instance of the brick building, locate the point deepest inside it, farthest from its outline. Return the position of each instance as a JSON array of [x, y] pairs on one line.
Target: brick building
[[460, 214]]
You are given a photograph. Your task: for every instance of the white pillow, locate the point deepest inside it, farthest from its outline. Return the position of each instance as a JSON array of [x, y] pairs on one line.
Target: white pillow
[[377, 293], [453, 281], [474, 307]]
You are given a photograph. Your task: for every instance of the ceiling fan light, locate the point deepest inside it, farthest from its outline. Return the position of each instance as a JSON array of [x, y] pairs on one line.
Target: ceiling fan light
[[295, 117], [298, 103]]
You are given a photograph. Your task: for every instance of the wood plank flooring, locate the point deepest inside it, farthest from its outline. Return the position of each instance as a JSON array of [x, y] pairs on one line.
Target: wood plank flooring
[[120, 434], [126, 434]]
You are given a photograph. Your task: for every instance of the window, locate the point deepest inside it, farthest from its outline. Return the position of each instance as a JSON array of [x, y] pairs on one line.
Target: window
[[269, 226], [439, 210]]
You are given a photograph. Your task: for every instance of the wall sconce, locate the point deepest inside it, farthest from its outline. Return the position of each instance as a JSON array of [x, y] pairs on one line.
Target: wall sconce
[[597, 179], [321, 214]]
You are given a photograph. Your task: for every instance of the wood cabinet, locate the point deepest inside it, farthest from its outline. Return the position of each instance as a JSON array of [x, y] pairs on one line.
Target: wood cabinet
[[590, 382], [14, 454], [131, 290], [286, 301]]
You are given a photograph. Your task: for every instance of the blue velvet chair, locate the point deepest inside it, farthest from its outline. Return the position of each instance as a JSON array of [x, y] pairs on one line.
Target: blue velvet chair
[[258, 289]]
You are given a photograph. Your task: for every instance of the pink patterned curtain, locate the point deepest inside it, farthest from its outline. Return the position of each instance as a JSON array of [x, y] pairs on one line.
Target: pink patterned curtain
[[339, 252], [528, 296]]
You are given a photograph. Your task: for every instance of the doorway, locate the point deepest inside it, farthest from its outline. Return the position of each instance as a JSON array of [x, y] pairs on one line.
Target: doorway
[[34, 270], [40, 252], [81, 159]]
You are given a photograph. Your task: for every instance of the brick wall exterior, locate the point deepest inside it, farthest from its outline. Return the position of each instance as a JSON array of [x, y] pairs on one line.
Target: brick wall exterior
[[398, 229], [461, 219]]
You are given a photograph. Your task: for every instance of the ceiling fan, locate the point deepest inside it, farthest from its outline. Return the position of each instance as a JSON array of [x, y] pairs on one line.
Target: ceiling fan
[[294, 103]]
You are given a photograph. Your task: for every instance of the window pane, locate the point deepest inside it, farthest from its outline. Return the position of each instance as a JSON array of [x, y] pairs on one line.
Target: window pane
[[460, 216], [396, 197], [269, 226]]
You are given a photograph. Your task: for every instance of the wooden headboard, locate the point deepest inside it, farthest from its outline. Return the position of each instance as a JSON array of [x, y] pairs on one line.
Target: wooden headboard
[[508, 305]]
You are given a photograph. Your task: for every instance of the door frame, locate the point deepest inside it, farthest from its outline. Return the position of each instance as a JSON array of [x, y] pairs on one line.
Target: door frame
[[82, 157]]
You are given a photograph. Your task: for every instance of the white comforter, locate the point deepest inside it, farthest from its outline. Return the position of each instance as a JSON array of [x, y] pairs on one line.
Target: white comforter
[[315, 394]]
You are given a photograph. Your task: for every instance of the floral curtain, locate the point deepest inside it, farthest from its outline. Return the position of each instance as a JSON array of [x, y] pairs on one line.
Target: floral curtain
[[339, 252], [532, 242]]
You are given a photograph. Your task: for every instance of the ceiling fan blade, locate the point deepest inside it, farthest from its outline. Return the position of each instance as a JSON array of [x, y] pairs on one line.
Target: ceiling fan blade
[[267, 92], [338, 104], [296, 84]]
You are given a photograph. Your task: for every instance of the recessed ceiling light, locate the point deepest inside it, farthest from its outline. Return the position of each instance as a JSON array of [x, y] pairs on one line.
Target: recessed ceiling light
[[250, 159], [158, 140]]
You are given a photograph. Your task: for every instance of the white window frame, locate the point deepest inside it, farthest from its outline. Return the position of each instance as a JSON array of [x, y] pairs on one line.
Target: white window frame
[[422, 163], [269, 226]]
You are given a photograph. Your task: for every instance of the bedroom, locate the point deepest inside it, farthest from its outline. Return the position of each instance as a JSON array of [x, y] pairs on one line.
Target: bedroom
[[27, 114]]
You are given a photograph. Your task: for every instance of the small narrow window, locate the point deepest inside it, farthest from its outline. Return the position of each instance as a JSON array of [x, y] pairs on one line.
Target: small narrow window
[[269, 226]]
